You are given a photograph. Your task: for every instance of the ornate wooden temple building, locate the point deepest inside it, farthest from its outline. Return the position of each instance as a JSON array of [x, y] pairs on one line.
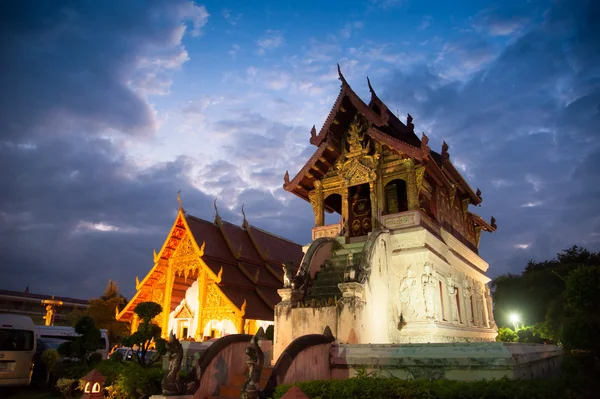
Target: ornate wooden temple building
[[214, 278], [402, 265]]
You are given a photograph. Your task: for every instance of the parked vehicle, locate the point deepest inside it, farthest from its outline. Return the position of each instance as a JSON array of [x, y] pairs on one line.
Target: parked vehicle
[[128, 354], [58, 333], [17, 349]]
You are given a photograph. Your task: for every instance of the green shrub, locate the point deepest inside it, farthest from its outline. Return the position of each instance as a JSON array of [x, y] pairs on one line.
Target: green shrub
[[134, 381], [50, 358], [388, 388], [506, 335]]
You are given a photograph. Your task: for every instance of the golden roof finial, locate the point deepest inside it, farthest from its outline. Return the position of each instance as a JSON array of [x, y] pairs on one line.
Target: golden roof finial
[[217, 217], [179, 200], [243, 309], [245, 222]]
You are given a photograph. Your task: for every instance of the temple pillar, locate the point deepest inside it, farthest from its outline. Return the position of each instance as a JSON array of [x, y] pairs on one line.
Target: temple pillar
[[167, 300], [317, 202], [135, 322], [202, 280], [412, 191], [345, 212], [374, 205], [320, 205]]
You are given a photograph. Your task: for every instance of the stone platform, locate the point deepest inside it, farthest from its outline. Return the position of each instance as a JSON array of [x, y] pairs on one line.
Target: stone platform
[[457, 361]]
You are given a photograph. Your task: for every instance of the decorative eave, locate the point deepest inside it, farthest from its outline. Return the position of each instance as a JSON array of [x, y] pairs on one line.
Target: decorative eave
[[396, 144], [450, 169], [361, 106], [478, 220]]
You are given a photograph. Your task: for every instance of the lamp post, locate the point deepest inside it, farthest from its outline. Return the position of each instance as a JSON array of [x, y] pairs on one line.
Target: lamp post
[[514, 318]]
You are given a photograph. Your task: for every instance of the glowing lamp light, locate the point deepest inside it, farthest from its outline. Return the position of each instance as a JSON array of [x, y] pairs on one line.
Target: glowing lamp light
[[514, 318], [93, 385]]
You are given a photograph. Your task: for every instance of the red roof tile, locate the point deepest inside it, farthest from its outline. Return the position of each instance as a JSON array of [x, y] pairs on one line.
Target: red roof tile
[[276, 249]]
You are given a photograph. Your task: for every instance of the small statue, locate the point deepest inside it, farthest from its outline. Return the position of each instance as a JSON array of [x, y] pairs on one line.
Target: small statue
[[170, 383], [251, 387], [49, 315], [288, 278]]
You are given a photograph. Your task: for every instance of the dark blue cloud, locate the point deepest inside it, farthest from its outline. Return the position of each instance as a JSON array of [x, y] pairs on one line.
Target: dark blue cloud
[[526, 127]]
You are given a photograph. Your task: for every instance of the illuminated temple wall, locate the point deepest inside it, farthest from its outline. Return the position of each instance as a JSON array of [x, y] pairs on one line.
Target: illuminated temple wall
[[371, 312], [221, 327], [451, 303]]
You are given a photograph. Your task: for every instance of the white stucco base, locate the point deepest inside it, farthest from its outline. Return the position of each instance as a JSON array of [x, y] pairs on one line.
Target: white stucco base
[[424, 286]]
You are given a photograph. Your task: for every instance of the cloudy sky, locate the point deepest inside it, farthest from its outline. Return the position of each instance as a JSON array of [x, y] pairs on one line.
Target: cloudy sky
[[108, 108]]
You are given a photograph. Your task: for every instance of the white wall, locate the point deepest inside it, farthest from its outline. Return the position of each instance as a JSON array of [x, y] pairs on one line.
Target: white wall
[[191, 299]]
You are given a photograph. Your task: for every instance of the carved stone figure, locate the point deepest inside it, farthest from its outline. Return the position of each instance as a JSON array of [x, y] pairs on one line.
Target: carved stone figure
[[170, 383], [467, 292], [256, 358], [490, 309], [429, 293], [288, 278], [478, 305], [409, 294], [453, 305]]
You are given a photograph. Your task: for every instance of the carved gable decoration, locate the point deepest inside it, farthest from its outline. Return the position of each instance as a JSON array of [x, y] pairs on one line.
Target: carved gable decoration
[[357, 173], [186, 247], [184, 312], [214, 297]]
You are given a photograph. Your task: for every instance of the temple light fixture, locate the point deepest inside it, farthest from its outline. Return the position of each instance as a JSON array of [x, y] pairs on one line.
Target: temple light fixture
[[514, 318]]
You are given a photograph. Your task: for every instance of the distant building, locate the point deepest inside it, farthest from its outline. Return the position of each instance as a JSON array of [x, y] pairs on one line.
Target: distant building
[[29, 304]]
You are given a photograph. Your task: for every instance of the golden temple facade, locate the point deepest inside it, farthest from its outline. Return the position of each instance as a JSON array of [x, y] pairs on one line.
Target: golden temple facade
[[213, 278]]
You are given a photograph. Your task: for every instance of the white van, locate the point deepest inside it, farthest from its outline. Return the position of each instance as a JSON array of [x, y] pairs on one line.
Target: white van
[[17, 348], [59, 334]]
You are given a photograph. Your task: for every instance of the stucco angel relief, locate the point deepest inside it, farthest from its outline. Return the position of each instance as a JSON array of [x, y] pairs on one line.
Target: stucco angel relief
[[410, 295]]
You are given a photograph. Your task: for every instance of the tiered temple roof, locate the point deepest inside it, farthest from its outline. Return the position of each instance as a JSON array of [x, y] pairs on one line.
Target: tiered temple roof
[[245, 261], [385, 128]]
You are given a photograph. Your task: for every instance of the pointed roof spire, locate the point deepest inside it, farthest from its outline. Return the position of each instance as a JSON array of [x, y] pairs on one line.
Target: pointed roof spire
[[371, 87], [424, 142], [286, 177], [179, 200], [245, 222], [313, 135], [341, 76], [217, 217], [493, 223], [445, 153], [478, 193], [409, 123]]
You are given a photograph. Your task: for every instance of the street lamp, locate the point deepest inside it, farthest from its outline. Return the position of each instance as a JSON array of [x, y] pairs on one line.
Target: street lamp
[[514, 318]]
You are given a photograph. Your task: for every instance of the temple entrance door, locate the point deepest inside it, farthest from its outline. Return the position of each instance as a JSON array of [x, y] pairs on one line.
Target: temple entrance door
[[359, 218]]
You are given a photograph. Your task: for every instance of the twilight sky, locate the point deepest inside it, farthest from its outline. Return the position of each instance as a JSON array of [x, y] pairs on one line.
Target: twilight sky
[[108, 108]]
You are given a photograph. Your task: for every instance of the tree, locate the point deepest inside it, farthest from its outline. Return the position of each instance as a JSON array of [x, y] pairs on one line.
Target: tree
[[103, 310], [147, 334], [86, 344], [536, 294], [582, 314]]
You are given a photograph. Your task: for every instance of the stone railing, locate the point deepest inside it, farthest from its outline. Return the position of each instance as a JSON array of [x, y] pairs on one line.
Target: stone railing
[[330, 230], [407, 219]]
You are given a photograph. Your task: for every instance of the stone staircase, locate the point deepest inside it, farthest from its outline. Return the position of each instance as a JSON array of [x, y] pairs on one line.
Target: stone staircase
[[234, 386], [325, 284]]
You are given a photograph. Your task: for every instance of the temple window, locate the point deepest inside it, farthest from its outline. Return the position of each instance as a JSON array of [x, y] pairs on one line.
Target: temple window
[[396, 199], [334, 201]]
